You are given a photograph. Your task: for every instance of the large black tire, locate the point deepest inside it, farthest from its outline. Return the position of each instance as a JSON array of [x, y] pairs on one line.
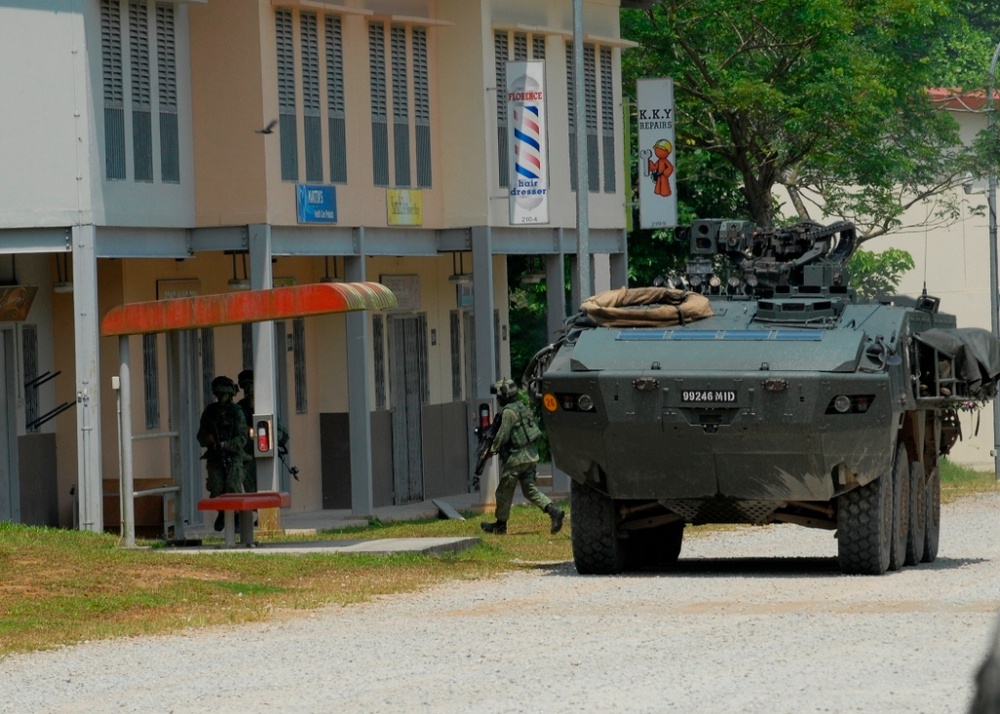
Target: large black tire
[[597, 549], [864, 527], [918, 514], [932, 526], [900, 508], [654, 546]]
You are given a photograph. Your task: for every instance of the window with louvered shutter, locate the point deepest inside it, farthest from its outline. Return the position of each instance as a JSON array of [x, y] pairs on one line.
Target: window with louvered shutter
[[520, 47], [379, 104], [500, 49], [400, 106], [590, 113], [207, 363], [29, 346], [246, 344], [312, 133], [608, 120], [335, 99], [455, 344], [571, 112], [287, 123], [378, 359], [166, 67], [538, 47], [299, 354], [113, 82], [142, 120], [422, 107]]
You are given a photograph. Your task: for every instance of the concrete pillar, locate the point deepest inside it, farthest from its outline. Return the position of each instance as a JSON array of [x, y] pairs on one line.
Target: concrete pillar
[[359, 386]]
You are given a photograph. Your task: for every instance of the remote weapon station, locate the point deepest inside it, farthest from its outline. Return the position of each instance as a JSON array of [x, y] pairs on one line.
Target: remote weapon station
[[758, 388]]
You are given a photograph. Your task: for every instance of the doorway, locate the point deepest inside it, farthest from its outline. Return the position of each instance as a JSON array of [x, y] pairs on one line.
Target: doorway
[[10, 493], [409, 392]]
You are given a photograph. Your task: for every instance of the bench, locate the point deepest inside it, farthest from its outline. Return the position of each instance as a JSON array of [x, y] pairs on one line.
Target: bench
[[245, 503]]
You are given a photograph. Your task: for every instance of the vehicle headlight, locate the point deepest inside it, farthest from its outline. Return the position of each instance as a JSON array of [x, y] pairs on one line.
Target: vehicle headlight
[[842, 403], [585, 403]]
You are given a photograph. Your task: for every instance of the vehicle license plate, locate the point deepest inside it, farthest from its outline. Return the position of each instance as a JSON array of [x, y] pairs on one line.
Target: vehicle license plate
[[708, 396]]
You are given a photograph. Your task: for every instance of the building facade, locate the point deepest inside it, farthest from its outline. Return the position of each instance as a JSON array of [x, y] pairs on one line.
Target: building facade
[[163, 149]]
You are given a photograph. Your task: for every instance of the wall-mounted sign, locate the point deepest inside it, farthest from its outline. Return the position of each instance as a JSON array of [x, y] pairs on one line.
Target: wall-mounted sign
[[529, 180], [464, 294], [657, 182], [406, 288], [15, 302], [316, 204], [404, 206]]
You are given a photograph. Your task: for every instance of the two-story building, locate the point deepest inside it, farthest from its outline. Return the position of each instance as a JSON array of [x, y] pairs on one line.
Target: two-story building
[[159, 148]]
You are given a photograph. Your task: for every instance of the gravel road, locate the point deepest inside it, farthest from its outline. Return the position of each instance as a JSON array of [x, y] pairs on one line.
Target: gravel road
[[757, 620]]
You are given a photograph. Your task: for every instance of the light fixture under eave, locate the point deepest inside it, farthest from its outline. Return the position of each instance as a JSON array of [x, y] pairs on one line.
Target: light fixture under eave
[[236, 284], [64, 284], [459, 275]]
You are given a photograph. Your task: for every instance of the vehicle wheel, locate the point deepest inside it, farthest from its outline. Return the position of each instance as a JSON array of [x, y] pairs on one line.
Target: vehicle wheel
[[900, 508], [932, 526], [654, 546], [597, 550], [918, 514], [864, 527]]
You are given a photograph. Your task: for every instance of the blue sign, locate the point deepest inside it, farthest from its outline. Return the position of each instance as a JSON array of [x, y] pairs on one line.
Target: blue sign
[[316, 204]]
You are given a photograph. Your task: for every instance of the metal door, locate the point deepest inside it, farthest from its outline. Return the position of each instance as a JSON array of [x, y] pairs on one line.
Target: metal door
[[10, 492], [408, 392]]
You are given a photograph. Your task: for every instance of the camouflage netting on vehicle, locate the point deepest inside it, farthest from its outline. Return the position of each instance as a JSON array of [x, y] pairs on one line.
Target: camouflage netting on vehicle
[[646, 307]]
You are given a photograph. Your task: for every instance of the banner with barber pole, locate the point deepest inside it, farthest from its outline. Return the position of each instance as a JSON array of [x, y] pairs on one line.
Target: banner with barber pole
[[529, 181]]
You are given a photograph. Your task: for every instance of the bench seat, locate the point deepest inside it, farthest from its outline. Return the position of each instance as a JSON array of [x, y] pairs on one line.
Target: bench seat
[[230, 503]]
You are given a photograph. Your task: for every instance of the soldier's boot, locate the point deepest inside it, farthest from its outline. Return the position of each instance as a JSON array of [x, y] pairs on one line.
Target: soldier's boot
[[498, 528], [557, 515], [220, 521]]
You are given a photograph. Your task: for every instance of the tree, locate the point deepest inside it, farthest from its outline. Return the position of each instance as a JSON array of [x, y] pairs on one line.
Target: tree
[[825, 98]]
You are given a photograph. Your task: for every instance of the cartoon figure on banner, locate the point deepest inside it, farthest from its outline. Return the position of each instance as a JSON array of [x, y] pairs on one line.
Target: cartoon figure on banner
[[660, 169]]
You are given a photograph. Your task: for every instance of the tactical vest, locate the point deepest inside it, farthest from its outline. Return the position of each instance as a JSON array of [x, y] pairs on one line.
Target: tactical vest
[[526, 432]]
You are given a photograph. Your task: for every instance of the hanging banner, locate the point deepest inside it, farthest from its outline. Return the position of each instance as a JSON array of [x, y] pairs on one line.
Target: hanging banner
[[529, 181], [657, 182]]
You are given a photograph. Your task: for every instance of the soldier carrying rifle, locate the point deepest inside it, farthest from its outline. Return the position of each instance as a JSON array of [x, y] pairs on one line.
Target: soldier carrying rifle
[[223, 433]]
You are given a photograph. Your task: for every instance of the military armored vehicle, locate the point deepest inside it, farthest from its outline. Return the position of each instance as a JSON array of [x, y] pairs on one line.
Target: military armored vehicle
[[758, 389]]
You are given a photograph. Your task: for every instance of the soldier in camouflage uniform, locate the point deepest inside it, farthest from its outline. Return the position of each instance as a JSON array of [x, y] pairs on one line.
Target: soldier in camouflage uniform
[[245, 380], [514, 444], [223, 433]]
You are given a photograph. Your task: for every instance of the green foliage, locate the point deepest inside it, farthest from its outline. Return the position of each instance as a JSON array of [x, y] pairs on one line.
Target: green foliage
[[824, 98], [878, 273]]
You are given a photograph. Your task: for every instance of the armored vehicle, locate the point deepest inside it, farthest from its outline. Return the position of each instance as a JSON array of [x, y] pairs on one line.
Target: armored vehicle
[[758, 389]]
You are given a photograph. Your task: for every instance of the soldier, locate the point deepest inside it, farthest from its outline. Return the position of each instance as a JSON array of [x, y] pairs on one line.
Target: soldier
[[223, 433], [514, 444], [245, 380]]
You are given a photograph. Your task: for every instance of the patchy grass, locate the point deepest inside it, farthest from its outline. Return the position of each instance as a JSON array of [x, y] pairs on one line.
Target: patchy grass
[[60, 587]]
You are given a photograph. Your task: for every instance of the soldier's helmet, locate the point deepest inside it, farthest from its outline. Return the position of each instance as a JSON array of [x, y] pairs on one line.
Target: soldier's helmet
[[244, 378], [223, 385], [505, 389]]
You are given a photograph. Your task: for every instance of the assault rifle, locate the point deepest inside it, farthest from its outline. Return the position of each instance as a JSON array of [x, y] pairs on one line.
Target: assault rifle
[[486, 436], [224, 456]]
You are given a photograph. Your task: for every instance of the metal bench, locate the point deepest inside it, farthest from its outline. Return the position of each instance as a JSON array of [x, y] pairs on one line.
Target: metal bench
[[245, 503]]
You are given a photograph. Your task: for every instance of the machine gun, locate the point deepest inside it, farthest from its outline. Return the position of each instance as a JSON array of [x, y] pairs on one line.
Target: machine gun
[[224, 457]]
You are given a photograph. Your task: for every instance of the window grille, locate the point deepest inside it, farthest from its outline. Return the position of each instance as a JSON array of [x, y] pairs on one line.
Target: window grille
[[335, 98], [500, 49], [142, 128], [378, 345], [287, 128], [151, 381], [299, 353], [379, 104], [29, 347], [112, 73], [455, 341], [422, 106], [400, 106], [312, 133], [247, 345], [166, 65], [608, 121], [207, 363]]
